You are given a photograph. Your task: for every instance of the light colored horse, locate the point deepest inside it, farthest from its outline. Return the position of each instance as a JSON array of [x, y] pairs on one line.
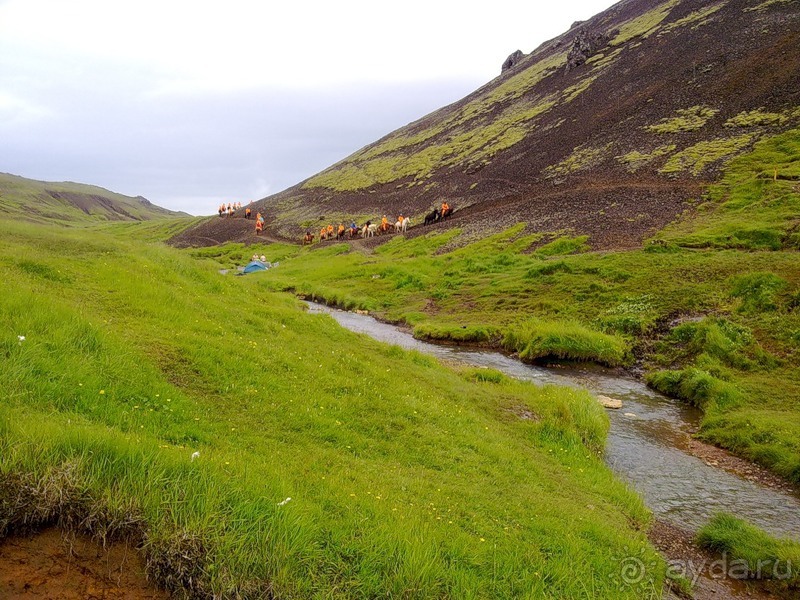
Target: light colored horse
[[405, 225], [369, 230], [401, 226]]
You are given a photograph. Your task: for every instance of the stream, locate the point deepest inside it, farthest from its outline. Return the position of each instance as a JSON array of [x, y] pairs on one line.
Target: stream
[[645, 443]]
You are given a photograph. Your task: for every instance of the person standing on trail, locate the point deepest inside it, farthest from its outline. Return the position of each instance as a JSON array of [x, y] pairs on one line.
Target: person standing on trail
[[247, 213], [259, 227]]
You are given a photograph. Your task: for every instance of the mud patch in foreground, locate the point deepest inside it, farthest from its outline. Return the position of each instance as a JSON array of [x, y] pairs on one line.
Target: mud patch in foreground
[[53, 565]]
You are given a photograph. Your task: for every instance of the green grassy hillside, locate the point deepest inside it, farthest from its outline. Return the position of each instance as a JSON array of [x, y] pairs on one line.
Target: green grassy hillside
[[69, 203], [710, 307], [259, 451]]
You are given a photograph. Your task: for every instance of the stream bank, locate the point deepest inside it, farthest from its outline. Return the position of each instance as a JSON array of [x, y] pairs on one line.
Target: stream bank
[[650, 443]]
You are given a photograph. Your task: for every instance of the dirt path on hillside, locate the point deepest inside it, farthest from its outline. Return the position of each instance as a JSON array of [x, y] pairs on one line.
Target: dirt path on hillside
[[52, 565]]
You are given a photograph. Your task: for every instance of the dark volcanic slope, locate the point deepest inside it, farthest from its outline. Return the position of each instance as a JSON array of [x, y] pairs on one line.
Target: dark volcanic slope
[[608, 129]]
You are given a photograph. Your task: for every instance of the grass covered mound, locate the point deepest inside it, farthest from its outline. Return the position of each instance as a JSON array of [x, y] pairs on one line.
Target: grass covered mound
[[255, 449], [750, 553]]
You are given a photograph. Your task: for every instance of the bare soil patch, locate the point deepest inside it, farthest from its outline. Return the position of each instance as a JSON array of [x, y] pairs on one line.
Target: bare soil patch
[[53, 565]]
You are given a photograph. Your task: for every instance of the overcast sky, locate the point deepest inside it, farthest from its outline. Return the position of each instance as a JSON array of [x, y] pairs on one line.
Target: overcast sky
[[192, 102]]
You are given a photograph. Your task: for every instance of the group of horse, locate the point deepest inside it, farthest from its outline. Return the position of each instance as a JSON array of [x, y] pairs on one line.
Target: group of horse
[[438, 215], [370, 229]]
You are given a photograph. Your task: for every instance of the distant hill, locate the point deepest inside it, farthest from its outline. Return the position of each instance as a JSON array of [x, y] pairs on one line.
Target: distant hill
[[72, 203], [610, 130]]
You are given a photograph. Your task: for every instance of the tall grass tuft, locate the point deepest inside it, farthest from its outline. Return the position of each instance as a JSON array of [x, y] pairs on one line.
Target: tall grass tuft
[[751, 553], [536, 339]]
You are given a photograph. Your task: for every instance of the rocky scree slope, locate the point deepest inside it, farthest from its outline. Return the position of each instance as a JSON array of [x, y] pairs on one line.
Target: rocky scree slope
[[610, 130]]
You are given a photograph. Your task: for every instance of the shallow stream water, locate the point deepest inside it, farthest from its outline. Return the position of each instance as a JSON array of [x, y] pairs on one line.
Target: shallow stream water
[[645, 442]]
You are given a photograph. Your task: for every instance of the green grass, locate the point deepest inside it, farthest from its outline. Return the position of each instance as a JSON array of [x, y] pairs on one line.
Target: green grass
[[697, 387], [754, 206], [406, 478], [716, 327], [536, 340], [60, 203], [752, 554]]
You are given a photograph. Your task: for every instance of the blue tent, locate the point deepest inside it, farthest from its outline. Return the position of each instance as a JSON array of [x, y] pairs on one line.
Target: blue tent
[[256, 265]]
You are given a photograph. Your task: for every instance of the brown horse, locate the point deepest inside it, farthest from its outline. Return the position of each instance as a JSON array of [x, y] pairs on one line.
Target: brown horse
[[308, 238]]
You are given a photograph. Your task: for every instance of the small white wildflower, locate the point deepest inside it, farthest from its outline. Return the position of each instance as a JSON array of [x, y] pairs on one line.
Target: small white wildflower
[[21, 338], [195, 455], [284, 502]]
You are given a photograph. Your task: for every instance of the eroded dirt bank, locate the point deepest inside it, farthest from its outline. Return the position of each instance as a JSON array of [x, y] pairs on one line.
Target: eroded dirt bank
[[53, 565]]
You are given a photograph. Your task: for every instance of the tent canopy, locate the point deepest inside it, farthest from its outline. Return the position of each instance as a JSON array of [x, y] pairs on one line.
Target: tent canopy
[[256, 265]]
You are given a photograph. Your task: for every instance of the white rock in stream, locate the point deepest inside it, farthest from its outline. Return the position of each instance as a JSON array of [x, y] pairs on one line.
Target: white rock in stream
[[609, 402]]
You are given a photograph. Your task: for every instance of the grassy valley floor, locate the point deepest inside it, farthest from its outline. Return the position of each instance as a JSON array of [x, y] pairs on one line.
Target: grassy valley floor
[[715, 327], [256, 450], [709, 308]]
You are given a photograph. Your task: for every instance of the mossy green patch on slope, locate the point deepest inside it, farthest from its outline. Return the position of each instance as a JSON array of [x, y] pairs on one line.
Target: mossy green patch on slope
[[696, 19], [755, 205], [687, 119], [644, 25], [702, 154], [493, 121], [636, 160]]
